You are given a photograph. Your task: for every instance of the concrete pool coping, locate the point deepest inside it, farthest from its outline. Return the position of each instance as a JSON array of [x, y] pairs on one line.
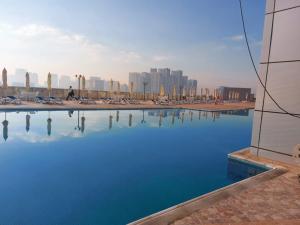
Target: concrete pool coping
[[184, 209], [144, 105]]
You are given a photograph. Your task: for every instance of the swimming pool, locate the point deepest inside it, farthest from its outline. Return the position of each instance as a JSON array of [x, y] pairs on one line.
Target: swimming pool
[[113, 167]]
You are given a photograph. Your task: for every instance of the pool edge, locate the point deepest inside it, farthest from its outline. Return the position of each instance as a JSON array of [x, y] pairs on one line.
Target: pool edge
[[186, 208]]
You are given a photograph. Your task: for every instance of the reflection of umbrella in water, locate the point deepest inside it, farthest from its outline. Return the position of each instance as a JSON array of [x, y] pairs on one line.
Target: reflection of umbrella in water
[[173, 118], [49, 120], [143, 120], [49, 128], [191, 113], [182, 117], [27, 122], [5, 128], [110, 121], [82, 124], [199, 115], [117, 117], [130, 120], [160, 119]]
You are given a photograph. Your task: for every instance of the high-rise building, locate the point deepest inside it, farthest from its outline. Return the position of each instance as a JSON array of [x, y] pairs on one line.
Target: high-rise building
[[95, 83], [162, 78], [192, 87], [137, 81], [176, 78], [34, 79], [54, 80], [124, 88], [65, 82]]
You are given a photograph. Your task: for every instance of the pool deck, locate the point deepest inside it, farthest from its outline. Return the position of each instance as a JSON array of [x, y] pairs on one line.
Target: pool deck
[[272, 197], [144, 105]]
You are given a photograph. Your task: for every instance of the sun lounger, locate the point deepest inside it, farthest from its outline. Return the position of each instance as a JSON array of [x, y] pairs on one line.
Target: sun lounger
[[12, 100], [56, 101], [83, 100], [41, 100]]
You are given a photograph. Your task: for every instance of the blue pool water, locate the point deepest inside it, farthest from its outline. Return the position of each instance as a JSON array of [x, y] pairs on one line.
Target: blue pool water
[[113, 167]]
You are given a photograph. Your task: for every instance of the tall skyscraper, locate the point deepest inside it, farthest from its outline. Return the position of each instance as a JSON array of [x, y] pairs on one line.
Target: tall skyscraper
[[34, 79], [162, 77], [54, 80], [65, 82]]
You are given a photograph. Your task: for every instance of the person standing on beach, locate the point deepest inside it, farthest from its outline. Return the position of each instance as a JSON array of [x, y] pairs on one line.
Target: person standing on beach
[[70, 93]]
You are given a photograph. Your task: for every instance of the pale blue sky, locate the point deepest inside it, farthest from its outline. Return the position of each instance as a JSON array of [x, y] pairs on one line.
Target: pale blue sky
[[110, 38]]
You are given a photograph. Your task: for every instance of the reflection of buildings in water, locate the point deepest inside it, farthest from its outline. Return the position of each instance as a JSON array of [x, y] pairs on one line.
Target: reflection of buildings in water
[[205, 115], [165, 112], [5, 128], [215, 115], [110, 121], [117, 116], [130, 120], [27, 123], [237, 170], [173, 118], [182, 117], [49, 128], [240, 112], [199, 115]]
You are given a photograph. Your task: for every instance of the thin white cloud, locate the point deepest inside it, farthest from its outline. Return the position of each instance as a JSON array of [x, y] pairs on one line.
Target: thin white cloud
[[237, 38], [43, 48]]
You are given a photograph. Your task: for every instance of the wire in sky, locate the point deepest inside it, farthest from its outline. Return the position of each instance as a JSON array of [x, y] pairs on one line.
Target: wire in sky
[[253, 64]]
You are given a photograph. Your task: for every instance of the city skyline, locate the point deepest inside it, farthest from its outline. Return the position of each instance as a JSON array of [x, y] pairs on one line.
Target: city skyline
[[108, 40]]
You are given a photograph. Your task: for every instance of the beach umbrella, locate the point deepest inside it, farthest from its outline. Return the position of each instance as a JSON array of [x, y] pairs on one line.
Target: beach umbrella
[[5, 128], [4, 78], [83, 82], [111, 85], [49, 83], [174, 92], [119, 87], [27, 122], [162, 91], [27, 81], [131, 87]]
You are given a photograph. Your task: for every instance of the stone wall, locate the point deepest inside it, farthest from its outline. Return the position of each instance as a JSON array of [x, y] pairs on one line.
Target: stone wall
[[62, 93]]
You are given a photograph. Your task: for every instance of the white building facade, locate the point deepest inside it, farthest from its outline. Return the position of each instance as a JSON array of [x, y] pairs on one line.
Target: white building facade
[[275, 132]]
